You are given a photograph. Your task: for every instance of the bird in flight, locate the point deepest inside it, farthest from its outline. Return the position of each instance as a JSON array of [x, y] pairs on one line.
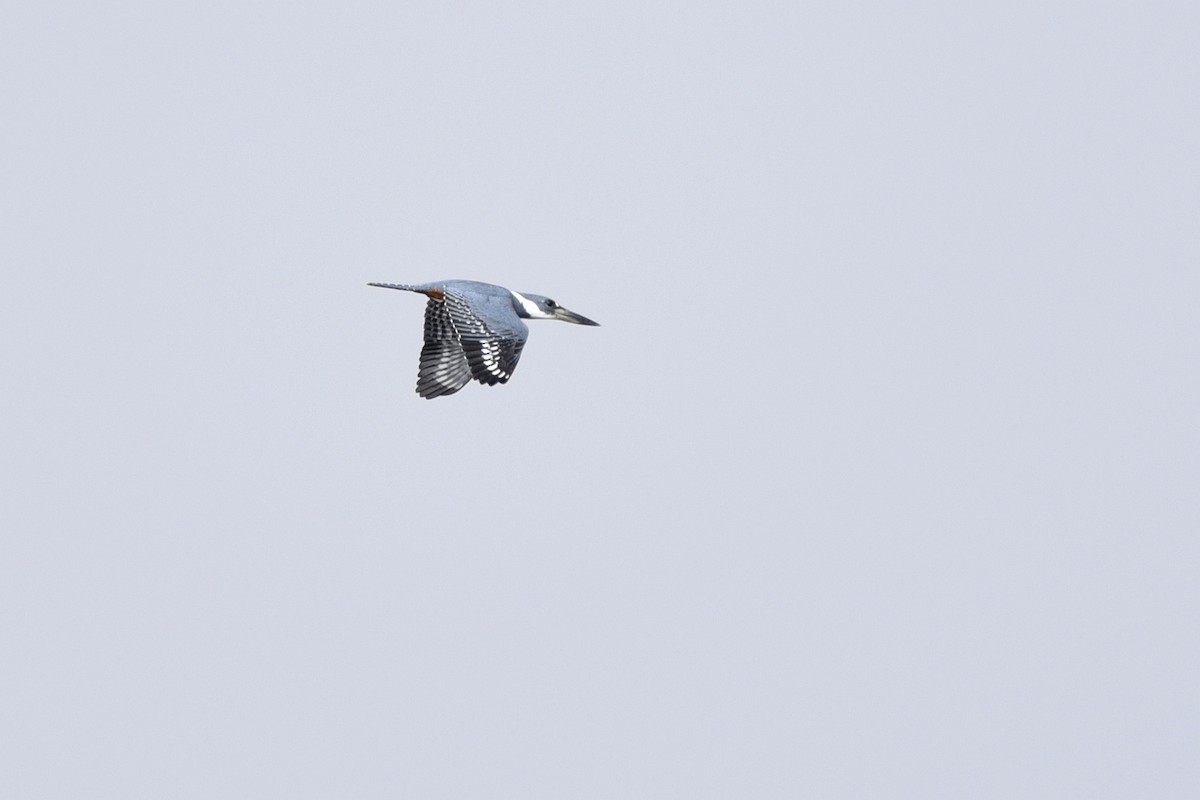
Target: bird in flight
[[475, 330]]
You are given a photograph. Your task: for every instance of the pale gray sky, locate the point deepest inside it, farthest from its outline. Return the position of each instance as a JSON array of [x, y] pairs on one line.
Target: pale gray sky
[[878, 480]]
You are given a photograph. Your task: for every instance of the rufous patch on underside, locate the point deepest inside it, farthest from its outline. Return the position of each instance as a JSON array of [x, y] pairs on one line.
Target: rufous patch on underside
[[436, 294]]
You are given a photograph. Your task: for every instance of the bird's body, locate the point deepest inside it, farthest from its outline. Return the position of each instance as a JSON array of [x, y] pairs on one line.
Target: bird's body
[[475, 330]]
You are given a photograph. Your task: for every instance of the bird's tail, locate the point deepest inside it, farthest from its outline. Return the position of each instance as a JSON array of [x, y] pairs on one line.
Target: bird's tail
[[403, 286]]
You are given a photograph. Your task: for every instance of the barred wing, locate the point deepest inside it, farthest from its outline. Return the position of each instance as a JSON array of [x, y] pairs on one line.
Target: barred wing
[[491, 335], [444, 366]]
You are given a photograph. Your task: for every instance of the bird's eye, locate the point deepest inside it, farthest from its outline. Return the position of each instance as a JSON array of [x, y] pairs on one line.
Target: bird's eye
[[550, 303]]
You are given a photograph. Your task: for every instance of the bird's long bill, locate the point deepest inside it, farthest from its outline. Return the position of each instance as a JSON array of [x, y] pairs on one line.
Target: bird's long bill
[[571, 316]]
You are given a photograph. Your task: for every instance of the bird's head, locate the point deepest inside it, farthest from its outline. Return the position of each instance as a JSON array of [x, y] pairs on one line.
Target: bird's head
[[535, 306]]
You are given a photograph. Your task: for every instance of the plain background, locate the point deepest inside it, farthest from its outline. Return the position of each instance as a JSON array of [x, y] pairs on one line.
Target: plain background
[[879, 480]]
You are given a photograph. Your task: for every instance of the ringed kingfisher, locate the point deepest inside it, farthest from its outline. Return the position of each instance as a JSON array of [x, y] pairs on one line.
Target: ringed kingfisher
[[475, 330]]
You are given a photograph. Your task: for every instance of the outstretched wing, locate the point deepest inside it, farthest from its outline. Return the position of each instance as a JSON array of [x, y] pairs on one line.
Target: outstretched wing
[[490, 333], [444, 367]]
